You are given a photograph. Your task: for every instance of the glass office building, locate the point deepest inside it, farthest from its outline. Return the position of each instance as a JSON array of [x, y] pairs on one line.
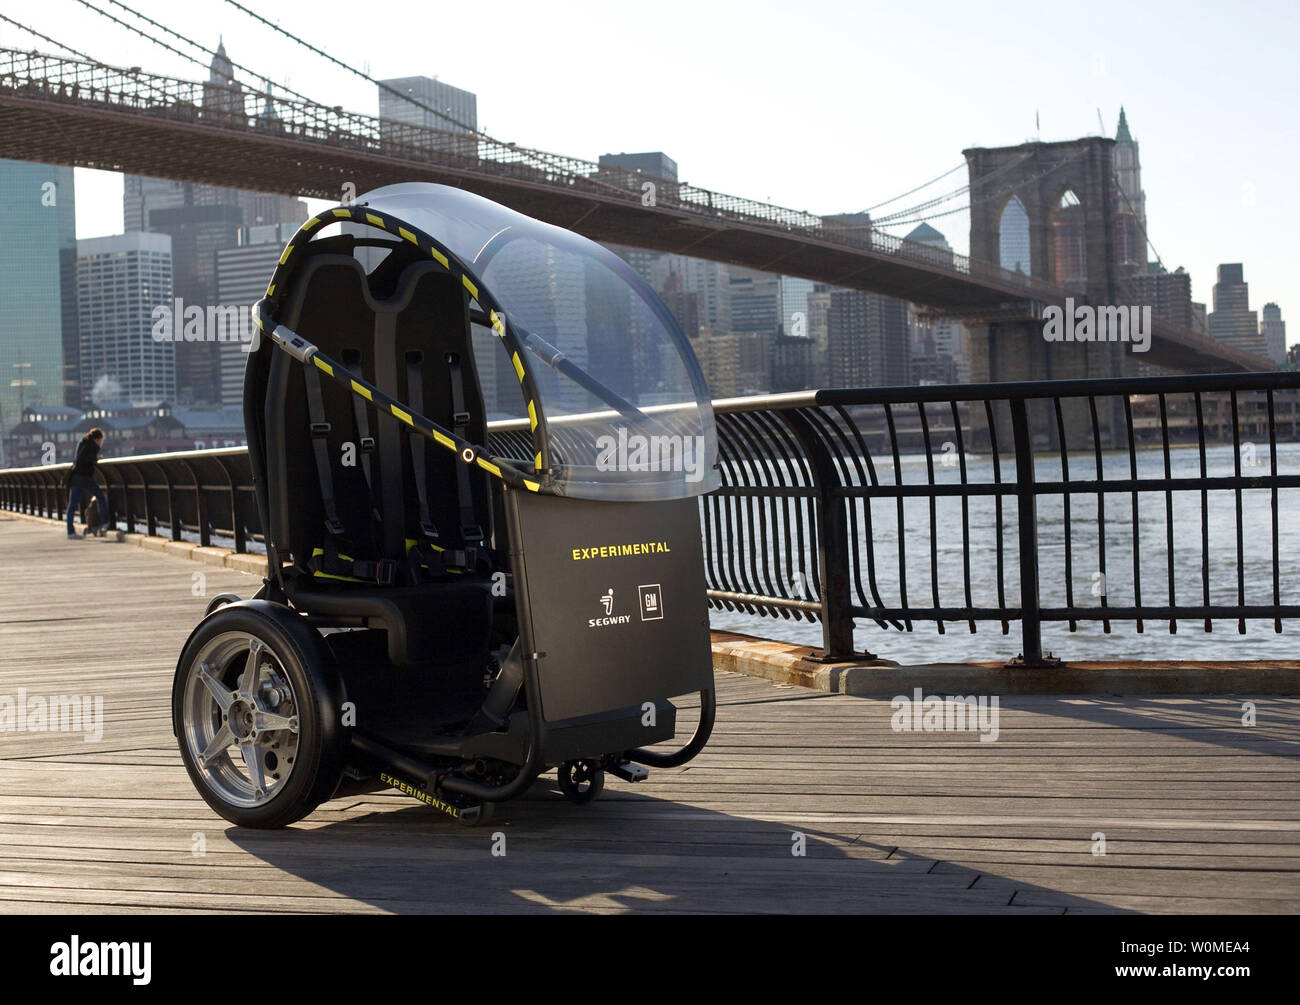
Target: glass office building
[[38, 289], [122, 281]]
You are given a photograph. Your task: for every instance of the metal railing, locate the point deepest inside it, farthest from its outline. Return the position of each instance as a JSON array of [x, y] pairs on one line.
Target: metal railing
[[814, 515], [835, 503], [206, 493]]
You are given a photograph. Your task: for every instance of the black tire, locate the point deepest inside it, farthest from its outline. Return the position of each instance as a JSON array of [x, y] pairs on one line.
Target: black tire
[[581, 781], [317, 696]]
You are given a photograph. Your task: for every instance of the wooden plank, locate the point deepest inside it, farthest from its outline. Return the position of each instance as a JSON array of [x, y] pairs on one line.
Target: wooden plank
[[1201, 813]]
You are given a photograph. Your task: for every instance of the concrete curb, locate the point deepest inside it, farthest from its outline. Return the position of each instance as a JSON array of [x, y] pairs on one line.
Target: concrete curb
[[785, 663], [223, 558]]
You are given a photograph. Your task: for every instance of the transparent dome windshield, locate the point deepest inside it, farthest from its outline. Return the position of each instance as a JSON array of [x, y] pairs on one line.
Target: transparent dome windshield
[[625, 408]]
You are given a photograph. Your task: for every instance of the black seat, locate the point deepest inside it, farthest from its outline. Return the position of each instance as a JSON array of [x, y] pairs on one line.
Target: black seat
[[405, 328]]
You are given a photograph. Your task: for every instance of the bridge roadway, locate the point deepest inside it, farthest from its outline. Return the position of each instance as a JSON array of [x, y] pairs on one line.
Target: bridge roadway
[[1200, 814]]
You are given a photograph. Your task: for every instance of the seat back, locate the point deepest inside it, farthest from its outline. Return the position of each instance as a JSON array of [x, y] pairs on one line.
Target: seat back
[[400, 342]]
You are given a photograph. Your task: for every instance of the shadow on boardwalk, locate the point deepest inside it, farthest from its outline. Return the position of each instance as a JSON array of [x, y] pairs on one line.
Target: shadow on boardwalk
[[624, 853]]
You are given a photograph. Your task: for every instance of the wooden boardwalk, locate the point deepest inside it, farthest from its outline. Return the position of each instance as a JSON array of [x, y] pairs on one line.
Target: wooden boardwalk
[[1199, 812]]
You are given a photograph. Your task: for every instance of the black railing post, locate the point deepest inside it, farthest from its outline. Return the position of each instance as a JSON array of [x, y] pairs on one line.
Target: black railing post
[[1031, 626], [831, 521]]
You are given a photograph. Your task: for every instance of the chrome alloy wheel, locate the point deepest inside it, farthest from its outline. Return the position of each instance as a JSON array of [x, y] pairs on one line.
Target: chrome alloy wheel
[[239, 697]]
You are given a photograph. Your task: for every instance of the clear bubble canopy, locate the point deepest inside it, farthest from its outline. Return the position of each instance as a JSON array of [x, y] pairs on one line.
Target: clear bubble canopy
[[624, 408]]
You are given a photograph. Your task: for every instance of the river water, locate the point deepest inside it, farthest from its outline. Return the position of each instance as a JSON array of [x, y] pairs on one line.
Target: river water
[[925, 643]]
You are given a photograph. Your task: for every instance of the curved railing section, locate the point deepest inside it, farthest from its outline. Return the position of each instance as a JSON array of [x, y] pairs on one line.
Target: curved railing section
[[1147, 502]]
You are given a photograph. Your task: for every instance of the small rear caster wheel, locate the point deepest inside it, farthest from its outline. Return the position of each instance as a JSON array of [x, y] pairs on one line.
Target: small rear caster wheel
[[219, 601], [581, 781]]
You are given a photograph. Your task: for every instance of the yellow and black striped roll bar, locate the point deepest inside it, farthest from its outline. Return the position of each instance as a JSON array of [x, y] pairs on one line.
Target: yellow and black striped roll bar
[[264, 316], [308, 354]]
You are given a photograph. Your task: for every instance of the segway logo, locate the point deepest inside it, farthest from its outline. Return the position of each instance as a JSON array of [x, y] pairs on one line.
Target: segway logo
[[610, 618]]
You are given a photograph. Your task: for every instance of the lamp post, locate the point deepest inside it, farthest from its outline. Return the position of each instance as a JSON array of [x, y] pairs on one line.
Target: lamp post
[[22, 383]]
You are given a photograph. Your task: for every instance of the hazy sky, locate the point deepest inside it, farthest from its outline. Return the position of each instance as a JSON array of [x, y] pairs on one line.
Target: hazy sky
[[816, 105]]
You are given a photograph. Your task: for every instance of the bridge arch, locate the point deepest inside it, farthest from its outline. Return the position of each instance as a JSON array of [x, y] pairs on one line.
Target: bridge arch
[[1014, 242], [1067, 239]]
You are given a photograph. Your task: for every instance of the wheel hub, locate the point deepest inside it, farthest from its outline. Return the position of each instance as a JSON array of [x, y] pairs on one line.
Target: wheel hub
[[241, 719]]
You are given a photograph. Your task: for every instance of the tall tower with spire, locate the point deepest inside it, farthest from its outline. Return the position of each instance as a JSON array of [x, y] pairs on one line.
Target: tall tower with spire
[[1131, 208], [223, 96], [203, 219]]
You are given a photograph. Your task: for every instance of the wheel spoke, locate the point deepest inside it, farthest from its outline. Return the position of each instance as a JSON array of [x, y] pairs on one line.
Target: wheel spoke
[[248, 680], [253, 762], [220, 742], [220, 695], [267, 721]]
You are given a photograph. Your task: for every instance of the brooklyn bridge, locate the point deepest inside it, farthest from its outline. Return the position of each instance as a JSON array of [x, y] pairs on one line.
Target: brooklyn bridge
[[77, 111]]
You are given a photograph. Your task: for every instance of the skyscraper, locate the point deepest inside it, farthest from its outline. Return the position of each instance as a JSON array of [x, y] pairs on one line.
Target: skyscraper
[[200, 219], [432, 104], [197, 232], [868, 340], [1131, 201], [223, 96], [38, 289], [120, 281], [1168, 294], [1232, 321], [710, 281], [1273, 329], [926, 235], [655, 164], [755, 301], [734, 363], [794, 305], [243, 272]]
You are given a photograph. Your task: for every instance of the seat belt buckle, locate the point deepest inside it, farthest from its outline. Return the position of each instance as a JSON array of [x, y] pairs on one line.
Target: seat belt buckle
[[320, 429], [368, 444], [460, 419], [472, 534], [385, 572], [429, 531], [460, 558]]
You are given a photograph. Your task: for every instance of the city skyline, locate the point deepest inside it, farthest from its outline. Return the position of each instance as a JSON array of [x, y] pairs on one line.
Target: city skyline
[[1210, 201]]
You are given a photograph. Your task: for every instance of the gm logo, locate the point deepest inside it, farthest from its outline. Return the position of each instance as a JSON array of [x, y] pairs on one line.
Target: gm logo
[[652, 602]]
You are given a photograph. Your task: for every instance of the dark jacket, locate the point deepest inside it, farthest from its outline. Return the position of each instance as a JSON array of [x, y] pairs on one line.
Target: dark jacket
[[82, 475]]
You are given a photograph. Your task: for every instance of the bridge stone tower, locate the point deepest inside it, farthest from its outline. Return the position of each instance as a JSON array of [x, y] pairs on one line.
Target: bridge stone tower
[[1047, 210]]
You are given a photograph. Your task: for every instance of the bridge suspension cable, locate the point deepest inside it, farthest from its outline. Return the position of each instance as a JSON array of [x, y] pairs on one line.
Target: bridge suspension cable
[[143, 34], [363, 75], [553, 161], [911, 211], [914, 214], [46, 38], [918, 188], [190, 42]]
